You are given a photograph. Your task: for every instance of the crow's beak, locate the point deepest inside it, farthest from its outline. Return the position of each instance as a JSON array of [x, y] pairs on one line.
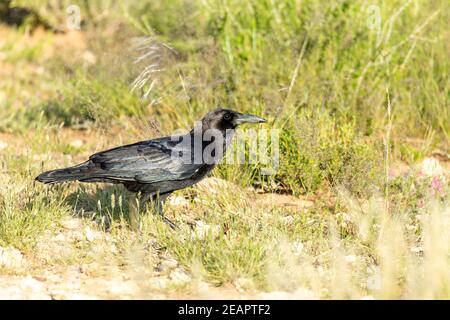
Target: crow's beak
[[248, 118]]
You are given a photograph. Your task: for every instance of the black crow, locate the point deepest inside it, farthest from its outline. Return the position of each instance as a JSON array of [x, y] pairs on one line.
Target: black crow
[[155, 168]]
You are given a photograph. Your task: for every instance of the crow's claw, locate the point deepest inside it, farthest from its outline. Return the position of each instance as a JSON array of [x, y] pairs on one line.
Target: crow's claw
[[170, 223]]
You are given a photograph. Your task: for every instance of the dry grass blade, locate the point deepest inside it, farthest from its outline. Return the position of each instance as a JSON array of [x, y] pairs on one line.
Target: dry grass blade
[[153, 56]]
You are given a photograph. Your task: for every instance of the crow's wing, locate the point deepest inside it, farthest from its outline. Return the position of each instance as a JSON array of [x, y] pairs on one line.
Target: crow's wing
[[146, 162]]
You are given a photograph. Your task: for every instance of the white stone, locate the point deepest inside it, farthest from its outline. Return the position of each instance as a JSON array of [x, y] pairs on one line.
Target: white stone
[[121, 287], [60, 237], [77, 143], [11, 258], [288, 220], [179, 276], [178, 201], [159, 283], [89, 234], [416, 249], [19, 288], [168, 264], [243, 284], [297, 248], [71, 224]]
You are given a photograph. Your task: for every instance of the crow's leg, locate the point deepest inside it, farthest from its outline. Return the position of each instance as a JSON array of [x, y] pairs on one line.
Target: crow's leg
[[158, 201], [158, 204], [144, 197], [137, 206]]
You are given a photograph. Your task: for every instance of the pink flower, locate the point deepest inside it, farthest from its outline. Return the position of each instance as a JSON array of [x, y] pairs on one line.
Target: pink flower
[[437, 185]]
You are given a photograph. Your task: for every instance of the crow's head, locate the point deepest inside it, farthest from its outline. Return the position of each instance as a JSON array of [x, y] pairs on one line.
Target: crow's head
[[223, 119]]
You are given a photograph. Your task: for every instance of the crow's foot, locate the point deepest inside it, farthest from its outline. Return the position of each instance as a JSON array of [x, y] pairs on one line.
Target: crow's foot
[[170, 223]]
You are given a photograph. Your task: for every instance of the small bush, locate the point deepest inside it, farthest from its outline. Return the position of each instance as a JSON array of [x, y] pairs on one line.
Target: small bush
[[318, 151]]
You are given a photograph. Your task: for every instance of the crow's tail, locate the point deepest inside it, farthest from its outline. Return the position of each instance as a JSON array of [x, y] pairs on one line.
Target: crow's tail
[[78, 172]]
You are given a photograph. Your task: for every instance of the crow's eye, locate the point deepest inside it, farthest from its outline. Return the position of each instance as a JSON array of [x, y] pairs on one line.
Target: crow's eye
[[227, 116]]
